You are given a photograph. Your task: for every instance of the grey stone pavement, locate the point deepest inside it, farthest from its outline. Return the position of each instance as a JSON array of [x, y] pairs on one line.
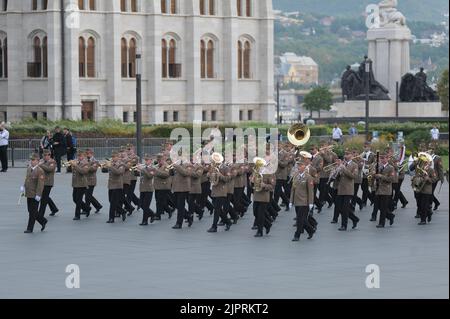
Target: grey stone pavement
[[125, 260]]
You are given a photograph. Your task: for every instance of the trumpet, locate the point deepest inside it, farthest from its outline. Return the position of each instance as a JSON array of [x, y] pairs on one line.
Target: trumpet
[[68, 163], [327, 148], [137, 167], [171, 166], [106, 163]]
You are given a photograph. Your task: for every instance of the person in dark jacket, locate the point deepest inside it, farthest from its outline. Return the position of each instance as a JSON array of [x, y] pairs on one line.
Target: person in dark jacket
[[58, 147]]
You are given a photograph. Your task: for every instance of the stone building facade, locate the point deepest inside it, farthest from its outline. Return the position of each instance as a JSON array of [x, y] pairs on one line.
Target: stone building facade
[[202, 60]]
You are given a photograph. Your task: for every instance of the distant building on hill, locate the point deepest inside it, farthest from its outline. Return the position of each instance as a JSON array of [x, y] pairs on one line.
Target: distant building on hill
[[298, 69]]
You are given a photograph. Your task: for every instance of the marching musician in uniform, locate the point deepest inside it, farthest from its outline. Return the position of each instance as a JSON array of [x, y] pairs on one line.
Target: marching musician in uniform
[[162, 185], [48, 165], [263, 185], [422, 183], [302, 197], [383, 190], [439, 170], [146, 189], [368, 158], [358, 181], [32, 190], [333, 184], [194, 199], [219, 179], [80, 170], [398, 194], [329, 158], [116, 170], [181, 186], [317, 164], [127, 176], [134, 161], [281, 177], [347, 173], [206, 190], [393, 161], [92, 181]]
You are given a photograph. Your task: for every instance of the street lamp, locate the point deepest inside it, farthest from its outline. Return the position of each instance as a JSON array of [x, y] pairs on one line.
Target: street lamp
[[279, 76], [368, 67], [139, 106]]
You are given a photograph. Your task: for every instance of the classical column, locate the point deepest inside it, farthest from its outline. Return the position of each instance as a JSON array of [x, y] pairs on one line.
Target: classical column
[[395, 66]]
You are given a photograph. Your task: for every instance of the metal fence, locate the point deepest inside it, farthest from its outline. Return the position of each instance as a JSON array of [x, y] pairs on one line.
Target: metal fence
[[19, 150]]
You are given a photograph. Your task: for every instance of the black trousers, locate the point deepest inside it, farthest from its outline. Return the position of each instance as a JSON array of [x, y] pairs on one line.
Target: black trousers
[[145, 202], [4, 157], [356, 199], [115, 203], [383, 202], [249, 187], [206, 192], [91, 200], [317, 202], [58, 155], [46, 200], [424, 201], [77, 196], [260, 210], [336, 205], [345, 209], [180, 202], [398, 194], [134, 198], [194, 206], [302, 221], [434, 199], [161, 197], [280, 191], [324, 190], [366, 193], [219, 211], [238, 200], [127, 197], [33, 215]]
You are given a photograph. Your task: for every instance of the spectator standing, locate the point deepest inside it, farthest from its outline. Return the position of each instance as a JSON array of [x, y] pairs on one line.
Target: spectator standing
[[46, 144], [68, 141], [58, 147], [337, 133], [434, 133], [353, 131], [4, 141]]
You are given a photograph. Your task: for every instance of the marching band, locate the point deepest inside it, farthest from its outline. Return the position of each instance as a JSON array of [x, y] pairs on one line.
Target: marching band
[[306, 181]]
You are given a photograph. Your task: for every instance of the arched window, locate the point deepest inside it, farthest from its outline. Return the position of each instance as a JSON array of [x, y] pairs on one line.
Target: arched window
[[210, 60], [164, 58], [1, 58], [239, 7], [34, 5], [171, 68], [81, 4], [202, 59], [173, 6], [37, 56], [134, 6], [240, 60], [5, 58], [172, 59], [5, 5], [247, 55], [212, 9], [124, 62], [44, 58], [248, 8], [132, 58], [82, 57], [163, 6], [202, 7], [44, 4], [123, 5], [90, 52], [92, 5]]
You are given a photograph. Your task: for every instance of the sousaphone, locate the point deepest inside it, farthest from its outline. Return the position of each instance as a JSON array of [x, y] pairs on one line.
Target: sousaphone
[[299, 134]]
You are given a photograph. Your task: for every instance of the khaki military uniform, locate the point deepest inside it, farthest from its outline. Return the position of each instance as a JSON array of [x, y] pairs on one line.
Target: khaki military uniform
[[79, 174], [302, 192]]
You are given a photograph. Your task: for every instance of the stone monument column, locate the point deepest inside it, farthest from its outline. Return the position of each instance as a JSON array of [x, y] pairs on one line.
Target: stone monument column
[[389, 46]]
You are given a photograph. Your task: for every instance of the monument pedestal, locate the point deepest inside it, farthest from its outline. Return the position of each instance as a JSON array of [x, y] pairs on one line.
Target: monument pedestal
[[387, 109], [389, 51]]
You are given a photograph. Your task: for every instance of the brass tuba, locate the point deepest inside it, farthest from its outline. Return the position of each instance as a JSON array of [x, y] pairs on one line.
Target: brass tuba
[[299, 134], [216, 159], [257, 176]]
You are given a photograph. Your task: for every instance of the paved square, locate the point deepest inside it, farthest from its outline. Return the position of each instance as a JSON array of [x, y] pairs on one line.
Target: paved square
[[125, 260]]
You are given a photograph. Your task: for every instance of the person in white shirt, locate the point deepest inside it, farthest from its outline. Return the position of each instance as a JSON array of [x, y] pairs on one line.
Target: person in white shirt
[[337, 133], [434, 133], [4, 141]]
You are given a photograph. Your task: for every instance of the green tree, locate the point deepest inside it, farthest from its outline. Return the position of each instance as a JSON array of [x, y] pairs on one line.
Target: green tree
[[443, 89], [320, 98]]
